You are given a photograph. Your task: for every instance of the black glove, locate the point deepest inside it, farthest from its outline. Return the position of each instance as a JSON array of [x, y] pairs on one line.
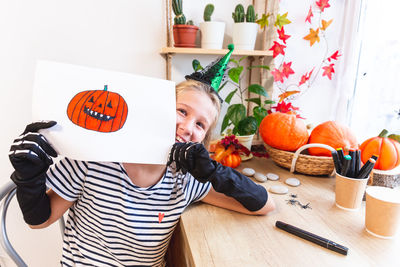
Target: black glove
[[194, 158], [30, 155]]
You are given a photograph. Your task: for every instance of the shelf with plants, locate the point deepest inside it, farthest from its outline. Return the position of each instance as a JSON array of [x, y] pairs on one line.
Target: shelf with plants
[[202, 51]]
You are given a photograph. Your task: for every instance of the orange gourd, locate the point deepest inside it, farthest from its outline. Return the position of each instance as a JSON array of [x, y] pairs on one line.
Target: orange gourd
[[233, 160], [387, 150], [283, 131], [333, 134]]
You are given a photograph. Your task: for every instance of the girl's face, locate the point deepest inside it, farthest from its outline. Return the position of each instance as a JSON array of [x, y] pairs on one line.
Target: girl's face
[[195, 114]]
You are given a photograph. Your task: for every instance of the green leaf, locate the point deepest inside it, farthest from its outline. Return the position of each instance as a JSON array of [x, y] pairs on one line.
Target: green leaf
[[234, 61], [255, 100], [240, 59], [269, 102], [234, 73], [230, 95], [247, 126], [236, 113], [259, 113], [263, 22], [225, 123], [196, 65], [258, 89], [222, 86], [282, 20], [259, 67]]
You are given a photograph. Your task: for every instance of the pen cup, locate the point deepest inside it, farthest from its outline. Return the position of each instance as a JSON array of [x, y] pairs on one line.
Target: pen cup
[[349, 192], [382, 211]]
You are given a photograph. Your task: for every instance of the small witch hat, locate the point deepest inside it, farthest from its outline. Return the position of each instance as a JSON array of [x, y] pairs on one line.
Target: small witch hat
[[213, 74]]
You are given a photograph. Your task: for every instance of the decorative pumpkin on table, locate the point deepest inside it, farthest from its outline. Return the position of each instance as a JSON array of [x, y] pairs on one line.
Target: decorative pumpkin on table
[[385, 147], [333, 134], [227, 150], [98, 110]]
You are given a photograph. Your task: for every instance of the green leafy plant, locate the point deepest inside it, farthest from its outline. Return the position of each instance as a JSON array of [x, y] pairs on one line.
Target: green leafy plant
[[236, 114], [208, 10], [238, 15]]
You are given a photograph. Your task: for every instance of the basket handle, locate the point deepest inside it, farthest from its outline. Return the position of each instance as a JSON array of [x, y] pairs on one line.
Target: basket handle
[[298, 151]]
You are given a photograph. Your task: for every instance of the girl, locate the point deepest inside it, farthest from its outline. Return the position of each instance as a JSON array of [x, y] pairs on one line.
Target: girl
[[124, 213]]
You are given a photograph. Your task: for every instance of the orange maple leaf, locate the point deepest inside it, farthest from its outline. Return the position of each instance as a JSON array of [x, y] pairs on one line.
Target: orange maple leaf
[[286, 94], [278, 75], [312, 36], [322, 4], [310, 14], [328, 70], [278, 49], [325, 24]]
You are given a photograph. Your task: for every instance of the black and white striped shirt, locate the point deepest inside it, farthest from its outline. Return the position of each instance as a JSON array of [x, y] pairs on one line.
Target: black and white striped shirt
[[114, 222]]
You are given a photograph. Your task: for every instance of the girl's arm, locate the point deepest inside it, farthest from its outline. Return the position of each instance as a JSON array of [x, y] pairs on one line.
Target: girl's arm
[[223, 201]]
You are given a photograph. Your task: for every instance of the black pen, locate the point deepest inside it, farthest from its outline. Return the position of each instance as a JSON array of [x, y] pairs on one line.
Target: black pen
[[323, 242]]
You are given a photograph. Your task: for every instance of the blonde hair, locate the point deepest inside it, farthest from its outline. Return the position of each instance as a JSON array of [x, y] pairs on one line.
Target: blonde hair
[[201, 87]]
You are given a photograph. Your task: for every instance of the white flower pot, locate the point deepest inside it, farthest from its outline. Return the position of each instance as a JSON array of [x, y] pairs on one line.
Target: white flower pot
[[212, 34], [245, 140], [244, 35]]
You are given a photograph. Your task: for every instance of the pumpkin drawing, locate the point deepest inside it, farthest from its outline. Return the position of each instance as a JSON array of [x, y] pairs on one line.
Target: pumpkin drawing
[[98, 110]]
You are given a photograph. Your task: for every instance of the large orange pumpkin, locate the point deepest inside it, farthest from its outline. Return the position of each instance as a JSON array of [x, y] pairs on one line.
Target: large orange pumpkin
[[387, 150], [283, 131], [333, 134], [98, 110]]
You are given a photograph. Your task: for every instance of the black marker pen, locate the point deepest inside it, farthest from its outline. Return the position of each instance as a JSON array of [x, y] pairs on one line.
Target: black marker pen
[[323, 242]]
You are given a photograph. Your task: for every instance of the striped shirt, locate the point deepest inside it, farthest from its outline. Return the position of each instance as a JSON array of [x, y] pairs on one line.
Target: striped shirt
[[113, 222]]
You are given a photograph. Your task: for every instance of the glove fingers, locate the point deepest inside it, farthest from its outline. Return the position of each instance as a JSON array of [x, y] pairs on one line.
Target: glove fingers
[[40, 140], [36, 126], [26, 148]]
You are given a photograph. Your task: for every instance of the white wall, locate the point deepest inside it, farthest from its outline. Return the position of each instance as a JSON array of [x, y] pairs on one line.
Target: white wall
[[120, 35]]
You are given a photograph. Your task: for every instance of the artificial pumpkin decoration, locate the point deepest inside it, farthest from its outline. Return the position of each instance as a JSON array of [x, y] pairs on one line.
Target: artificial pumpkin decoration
[[333, 134], [387, 150], [284, 131], [233, 160], [98, 110]]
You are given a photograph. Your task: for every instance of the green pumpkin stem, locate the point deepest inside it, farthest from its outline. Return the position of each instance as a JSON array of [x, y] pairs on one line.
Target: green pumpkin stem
[[105, 87], [384, 133]]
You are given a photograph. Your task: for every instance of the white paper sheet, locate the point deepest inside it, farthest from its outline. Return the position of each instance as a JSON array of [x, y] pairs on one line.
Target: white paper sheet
[[147, 134]]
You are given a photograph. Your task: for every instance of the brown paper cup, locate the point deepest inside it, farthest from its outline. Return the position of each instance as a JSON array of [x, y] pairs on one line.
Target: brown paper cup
[[349, 192], [382, 211]]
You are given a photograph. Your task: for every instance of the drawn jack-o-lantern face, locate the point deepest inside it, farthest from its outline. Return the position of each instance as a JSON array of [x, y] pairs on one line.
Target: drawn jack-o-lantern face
[[98, 110]]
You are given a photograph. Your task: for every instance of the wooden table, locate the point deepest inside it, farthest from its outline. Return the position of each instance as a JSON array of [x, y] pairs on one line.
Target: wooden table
[[210, 236]]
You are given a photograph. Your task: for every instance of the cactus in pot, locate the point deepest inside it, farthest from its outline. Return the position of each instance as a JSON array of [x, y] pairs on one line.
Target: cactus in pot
[[238, 15], [251, 15], [179, 16], [208, 10]]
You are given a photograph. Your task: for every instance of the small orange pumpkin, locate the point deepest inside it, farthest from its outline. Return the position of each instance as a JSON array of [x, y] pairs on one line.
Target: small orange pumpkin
[[283, 131], [233, 160], [98, 110], [333, 134], [387, 150]]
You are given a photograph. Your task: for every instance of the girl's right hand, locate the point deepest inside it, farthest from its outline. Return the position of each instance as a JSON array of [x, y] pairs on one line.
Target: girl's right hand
[[31, 154]]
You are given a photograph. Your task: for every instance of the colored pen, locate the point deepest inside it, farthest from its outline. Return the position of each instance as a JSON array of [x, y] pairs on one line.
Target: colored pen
[[340, 154], [323, 242], [366, 169], [336, 161], [346, 165], [358, 162], [352, 167]]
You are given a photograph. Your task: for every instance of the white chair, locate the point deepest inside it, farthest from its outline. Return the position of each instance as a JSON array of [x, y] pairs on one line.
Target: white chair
[[7, 192]]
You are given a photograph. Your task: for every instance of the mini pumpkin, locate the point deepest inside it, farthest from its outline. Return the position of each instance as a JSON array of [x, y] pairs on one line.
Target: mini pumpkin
[[233, 160], [98, 110], [283, 131], [333, 134], [387, 150]]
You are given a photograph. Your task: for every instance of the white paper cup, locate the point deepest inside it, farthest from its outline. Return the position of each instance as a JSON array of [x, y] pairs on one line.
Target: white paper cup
[[382, 211], [349, 192]]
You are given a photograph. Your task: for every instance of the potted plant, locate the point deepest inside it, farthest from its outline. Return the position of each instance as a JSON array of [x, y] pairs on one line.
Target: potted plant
[[244, 32], [184, 33], [212, 32]]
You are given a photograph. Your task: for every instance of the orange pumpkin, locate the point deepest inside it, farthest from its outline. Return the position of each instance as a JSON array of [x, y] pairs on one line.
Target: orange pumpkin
[[233, 160], [98, 110], [387, 150], [333, 134], [283, 131]]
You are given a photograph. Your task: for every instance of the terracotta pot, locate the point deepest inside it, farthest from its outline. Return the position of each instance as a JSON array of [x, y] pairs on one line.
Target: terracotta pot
[[185, 35]]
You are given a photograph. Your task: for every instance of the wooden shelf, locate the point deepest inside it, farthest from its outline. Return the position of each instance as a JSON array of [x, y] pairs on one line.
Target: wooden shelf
[[201, 51]]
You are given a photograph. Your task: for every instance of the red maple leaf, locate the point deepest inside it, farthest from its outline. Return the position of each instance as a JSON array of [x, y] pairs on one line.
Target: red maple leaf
[[282, 35], [284, 107], [278, 49], [334, 56], [305, 77], [322, 4], [328, 70], [310, 15], [286, 69], [278, 76]]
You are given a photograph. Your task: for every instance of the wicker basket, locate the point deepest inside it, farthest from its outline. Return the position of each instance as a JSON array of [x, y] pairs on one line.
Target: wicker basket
[[302, 163]]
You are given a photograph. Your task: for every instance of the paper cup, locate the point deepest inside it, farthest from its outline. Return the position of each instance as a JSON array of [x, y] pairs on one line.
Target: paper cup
[[382, 211], [349, 192]]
